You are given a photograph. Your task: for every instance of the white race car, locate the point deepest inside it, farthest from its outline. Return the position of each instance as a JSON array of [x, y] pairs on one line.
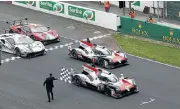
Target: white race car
[[21, 45], [104, 81], [99, 55]]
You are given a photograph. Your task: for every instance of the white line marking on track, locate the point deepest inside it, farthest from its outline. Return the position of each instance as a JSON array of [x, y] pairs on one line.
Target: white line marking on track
[[70, 43], [146, 102], [55, 46], [71, 27], [13, 58], [61, 46], [66, 44], [96, 32], [51, 49], [7, 60], [68, 38], [18, 57]]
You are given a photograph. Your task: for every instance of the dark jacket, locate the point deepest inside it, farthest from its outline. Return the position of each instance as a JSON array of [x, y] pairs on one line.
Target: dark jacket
[[49, 82]]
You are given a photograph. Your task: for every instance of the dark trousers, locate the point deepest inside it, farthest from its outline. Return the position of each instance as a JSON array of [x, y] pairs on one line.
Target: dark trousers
[[107, 9], [49, 92]]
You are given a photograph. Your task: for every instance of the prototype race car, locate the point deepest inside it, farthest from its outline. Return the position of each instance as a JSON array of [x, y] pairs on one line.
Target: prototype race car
[[98, 55], [35, 31], [21, 45], [104, 81]]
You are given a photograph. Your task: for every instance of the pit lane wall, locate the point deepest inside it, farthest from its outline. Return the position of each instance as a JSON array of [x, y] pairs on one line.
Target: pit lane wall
[[82, 14], [153, 31]]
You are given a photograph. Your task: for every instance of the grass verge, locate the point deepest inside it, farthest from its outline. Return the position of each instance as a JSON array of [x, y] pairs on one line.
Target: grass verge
[[147, 49]]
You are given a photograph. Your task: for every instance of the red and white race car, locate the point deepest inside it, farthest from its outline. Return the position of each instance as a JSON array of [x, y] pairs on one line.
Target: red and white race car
[[99, 55], [104, 81], [37, 32]]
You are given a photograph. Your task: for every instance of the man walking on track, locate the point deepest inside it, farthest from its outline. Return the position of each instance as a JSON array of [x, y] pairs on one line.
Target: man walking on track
[[49, 86]]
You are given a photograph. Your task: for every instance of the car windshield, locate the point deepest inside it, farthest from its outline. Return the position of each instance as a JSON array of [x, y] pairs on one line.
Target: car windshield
[[39, 29], [113, 78], [106, 52], [24, 40]]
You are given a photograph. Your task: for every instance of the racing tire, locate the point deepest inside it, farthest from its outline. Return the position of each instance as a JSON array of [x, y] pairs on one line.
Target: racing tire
[[43, 53], [100, 88], [11, 31], [29, 56], [107, 92], [104, 63], [44, 43], [58, 40], [77, 81], [74, 54], [18, 52], [32, 37], [136, 90]]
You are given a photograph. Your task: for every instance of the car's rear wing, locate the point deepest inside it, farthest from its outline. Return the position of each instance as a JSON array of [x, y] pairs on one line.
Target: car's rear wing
[[16, 22]]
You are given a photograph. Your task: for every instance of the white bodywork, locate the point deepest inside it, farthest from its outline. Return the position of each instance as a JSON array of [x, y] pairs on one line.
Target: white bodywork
[[93, 78], [89, 52], [25, 44]]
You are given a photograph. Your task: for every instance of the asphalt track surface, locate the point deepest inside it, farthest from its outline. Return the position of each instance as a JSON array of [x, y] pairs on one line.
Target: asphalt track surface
[[21, 80]]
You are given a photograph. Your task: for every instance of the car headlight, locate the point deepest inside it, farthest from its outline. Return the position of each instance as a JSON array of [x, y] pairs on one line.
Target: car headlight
[[42, 46], [25, 50], [133, 81], [125, 55]]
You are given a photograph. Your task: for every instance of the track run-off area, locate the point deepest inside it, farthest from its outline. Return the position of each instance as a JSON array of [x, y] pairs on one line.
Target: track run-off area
[[21, 80]]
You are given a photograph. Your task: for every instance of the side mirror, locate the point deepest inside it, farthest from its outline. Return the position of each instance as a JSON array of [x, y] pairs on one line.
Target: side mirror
[[26, 19], [3, 41], [48, 28]]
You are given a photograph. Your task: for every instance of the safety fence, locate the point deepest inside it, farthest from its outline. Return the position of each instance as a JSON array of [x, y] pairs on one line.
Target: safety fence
[[150, 30]]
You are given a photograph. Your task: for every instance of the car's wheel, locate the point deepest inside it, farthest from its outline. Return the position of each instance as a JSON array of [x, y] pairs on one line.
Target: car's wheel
[[18, 52], [44, 43], [136, 90], [10, 31], [104, 63], [43, 53], [100, 87], [74, 54], [29, 56], [107, 92], [77, 81], [58, 40], [32, 37]]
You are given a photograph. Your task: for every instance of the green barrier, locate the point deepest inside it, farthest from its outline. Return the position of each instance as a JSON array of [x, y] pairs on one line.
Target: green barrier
[[148, 30], [52, 6], [31, 3]]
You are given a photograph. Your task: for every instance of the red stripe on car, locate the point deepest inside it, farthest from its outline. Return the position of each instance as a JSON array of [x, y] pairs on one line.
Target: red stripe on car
[[91, 68], [125, 85], [87, 43]]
